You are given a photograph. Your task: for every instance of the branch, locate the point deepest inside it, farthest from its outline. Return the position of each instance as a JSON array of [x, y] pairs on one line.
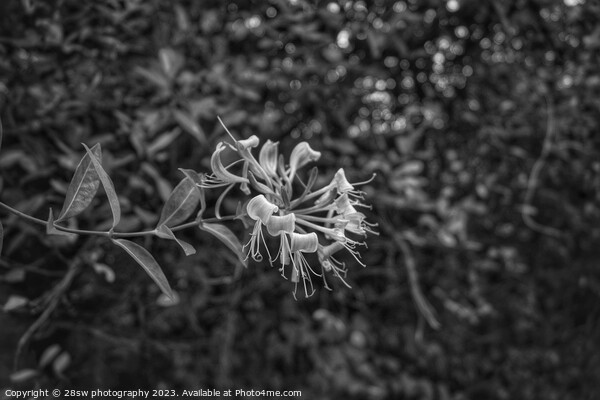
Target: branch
[[423, 306], [533, 180], [56, 294]]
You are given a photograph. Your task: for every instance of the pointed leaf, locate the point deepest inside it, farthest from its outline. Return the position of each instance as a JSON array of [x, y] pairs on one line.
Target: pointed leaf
[[192, 175], [109, 188], [15, 302], [153, 76], [51, 229], [181, 203], [163, 141], [171, 61], [226, 236], [197, 179], [23, 375], [14, 276], [83, 187], [49, 355], [145, 259], [189, 125], [61, 363], [164, 232]]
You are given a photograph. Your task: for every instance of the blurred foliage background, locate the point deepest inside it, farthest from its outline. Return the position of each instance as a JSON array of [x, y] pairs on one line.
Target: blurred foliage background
[[478, 117]]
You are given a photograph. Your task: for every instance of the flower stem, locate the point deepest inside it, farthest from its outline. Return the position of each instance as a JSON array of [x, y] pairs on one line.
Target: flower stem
[[110, 234], [22, 214]]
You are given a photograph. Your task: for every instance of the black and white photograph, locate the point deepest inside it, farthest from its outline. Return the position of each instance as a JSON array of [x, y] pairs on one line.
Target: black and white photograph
[[303, 199]]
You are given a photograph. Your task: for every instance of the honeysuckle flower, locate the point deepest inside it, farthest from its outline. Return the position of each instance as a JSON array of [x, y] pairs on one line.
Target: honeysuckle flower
[[301, 155], [303, 243], [260, 210], [330, 264], [281, 224], [247, 144], [341, 183], [221, 176], [321, 221], [268, 158]]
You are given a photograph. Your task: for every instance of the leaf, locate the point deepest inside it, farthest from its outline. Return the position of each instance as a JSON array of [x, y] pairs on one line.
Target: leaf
[[163, 187], [14, 276], [164, 232], [163, 141], [171, 62], [109, 188], [15, 302], [192, 175], [189, 125], [1, 132], [226, 236], [49, 355], [181, 203], [51, 229], [61, 363], [1, 237], [197, 179], [23, 375], [145, 259], [83, 187], [154, 77]]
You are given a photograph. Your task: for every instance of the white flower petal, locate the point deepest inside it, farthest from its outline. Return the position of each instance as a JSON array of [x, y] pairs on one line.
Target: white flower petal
[[281, 224], [268, 157], [304, 242], [245, 144], [302, 155], [341, 183], [220, 171], [261, 209]]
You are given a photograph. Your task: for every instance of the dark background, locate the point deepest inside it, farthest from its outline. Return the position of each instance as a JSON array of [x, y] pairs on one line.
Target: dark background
[[479, 118]]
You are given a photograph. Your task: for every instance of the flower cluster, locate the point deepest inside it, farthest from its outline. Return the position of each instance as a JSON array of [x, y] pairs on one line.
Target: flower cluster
[[317, 221]]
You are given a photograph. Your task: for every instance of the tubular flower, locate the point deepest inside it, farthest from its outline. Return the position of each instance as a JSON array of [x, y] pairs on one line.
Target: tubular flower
[[303, 243], [268, 158], [311, 227], [221, 176], [301, 155], [246, 144], [260, 210], [283, 224]]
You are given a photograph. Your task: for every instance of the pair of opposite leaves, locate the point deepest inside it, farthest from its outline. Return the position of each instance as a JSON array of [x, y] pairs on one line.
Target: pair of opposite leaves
[[182, 202]]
